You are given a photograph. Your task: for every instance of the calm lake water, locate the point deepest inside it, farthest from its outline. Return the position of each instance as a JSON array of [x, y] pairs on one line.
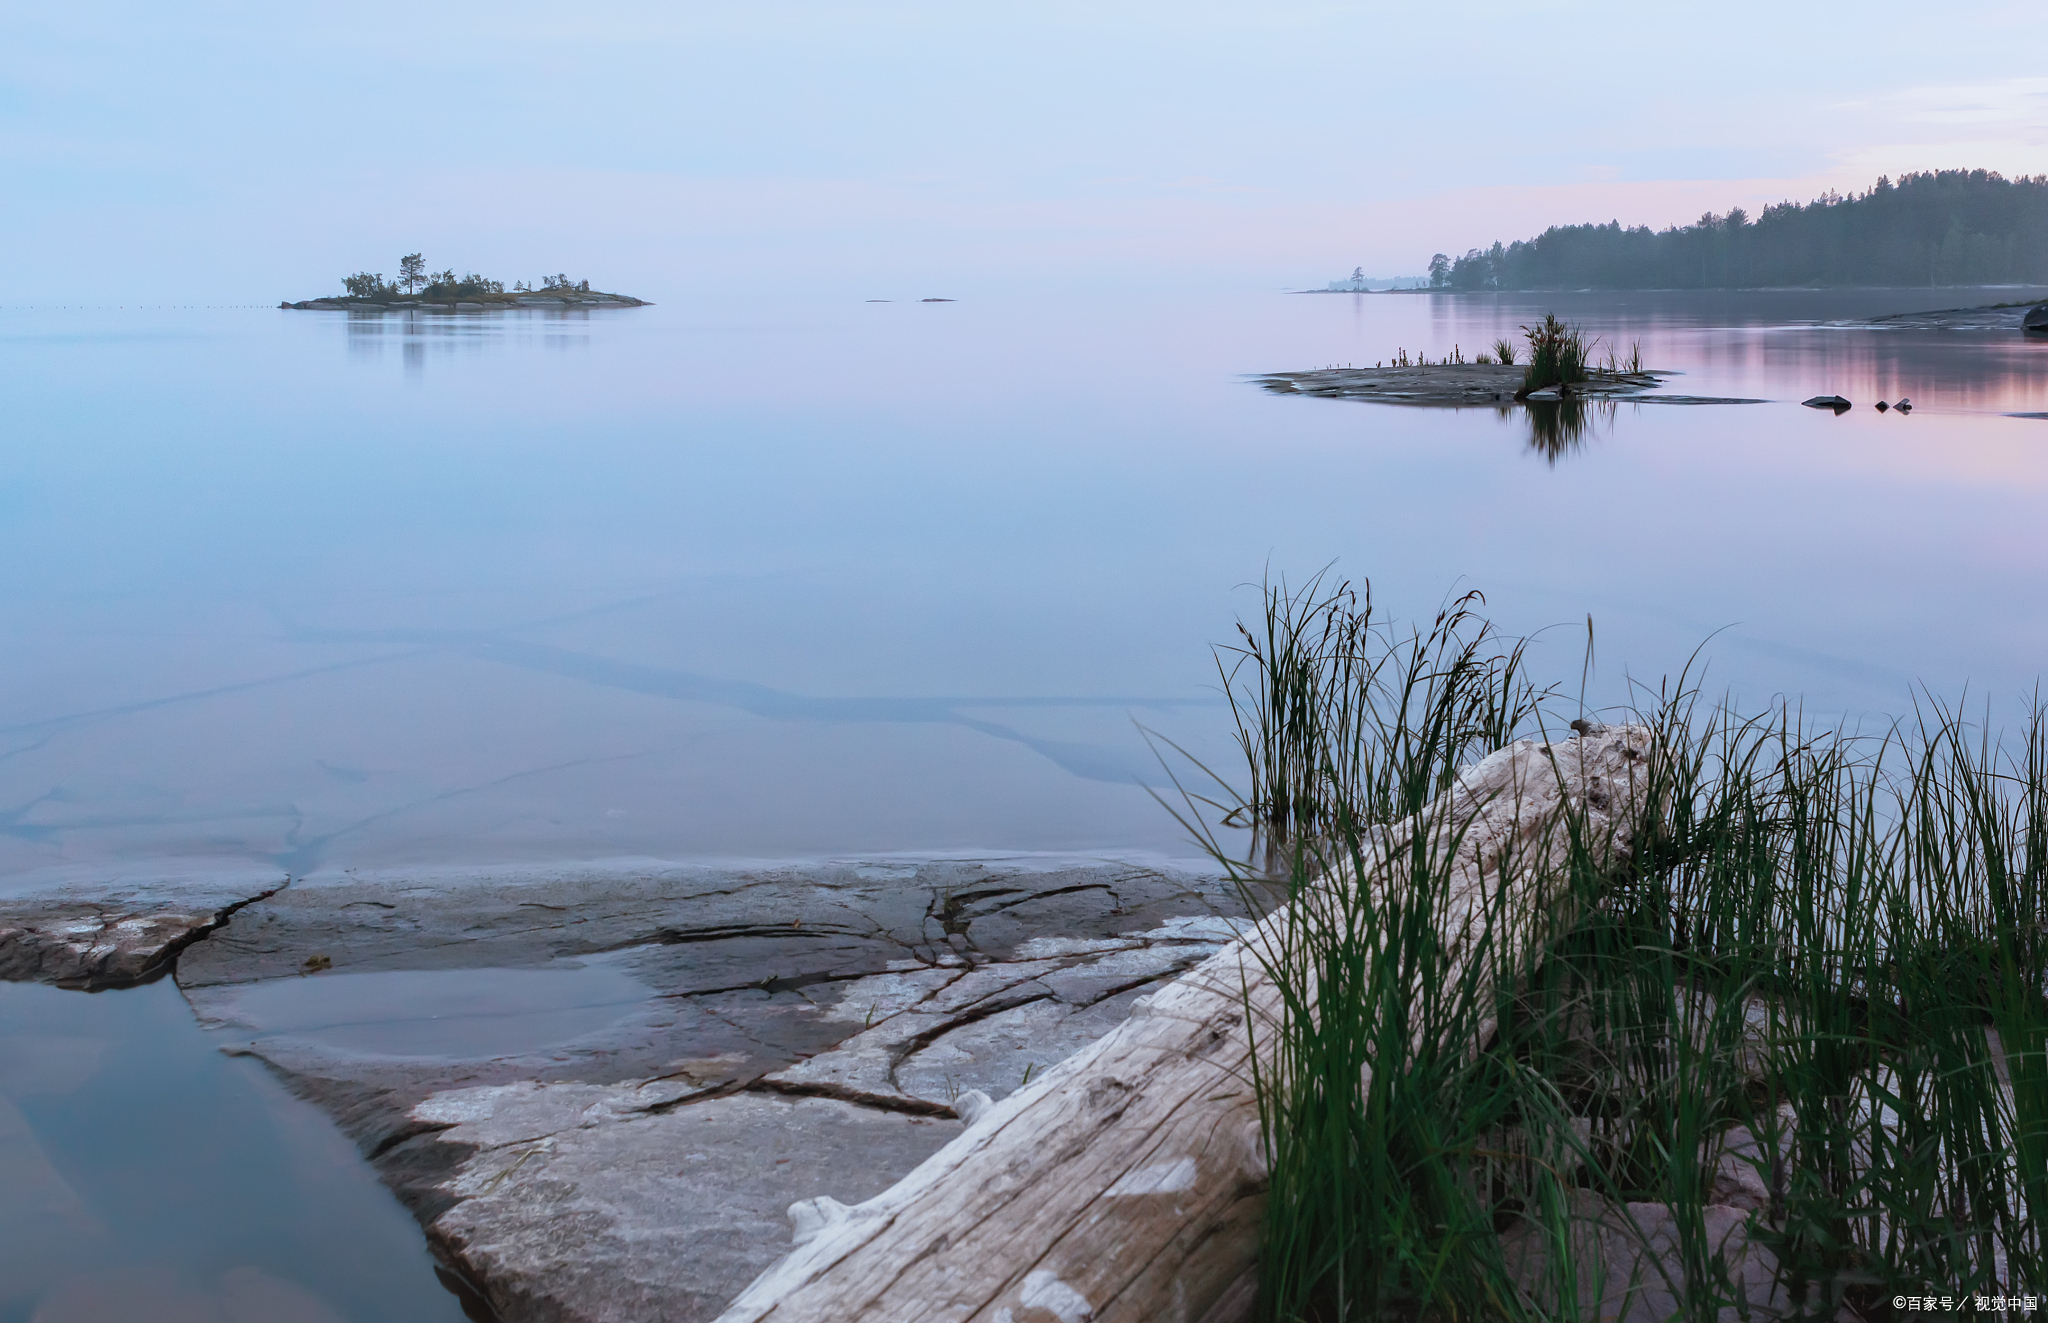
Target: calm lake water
[[298, 592]]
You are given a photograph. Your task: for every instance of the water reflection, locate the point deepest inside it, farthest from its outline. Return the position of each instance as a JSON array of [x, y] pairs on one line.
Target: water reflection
[[145, 1175], [420, 334], [1562, 427], [1786, 345]]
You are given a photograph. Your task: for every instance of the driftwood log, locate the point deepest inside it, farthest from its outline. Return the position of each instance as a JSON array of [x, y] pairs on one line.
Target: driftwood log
[[1128, 1185]]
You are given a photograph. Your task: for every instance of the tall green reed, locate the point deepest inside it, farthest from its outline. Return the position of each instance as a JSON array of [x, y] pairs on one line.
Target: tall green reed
[[1832, 945], [1559, 354]]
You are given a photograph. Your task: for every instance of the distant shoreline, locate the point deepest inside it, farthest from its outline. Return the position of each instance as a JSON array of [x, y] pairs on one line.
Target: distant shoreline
[[473, 303], [1677, 289]]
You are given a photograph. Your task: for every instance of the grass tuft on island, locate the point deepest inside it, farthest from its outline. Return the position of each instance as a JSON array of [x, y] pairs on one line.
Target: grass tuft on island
[[444, 291]]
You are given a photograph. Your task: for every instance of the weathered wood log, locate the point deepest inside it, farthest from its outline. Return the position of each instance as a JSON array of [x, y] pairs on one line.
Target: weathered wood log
[[1127, 1186]]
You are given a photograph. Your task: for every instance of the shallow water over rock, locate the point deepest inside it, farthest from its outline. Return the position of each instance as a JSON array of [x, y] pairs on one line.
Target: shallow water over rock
[[435, 1014]]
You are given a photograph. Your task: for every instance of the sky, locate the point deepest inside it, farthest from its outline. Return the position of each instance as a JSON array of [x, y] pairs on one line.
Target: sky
[[229, 152]]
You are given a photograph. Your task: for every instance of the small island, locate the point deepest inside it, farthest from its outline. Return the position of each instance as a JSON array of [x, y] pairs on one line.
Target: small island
[[418, 289], [1560, 367]]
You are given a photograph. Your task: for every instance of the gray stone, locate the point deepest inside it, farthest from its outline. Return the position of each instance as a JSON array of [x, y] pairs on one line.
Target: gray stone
[[530, 1059], [592, 1204], [1626, 1264], [83, 937], [929, 1035]]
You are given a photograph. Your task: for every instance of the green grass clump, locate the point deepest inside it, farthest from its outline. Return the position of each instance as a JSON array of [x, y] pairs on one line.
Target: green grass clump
[[1504, 351], [1559, 354], [1839, 943]]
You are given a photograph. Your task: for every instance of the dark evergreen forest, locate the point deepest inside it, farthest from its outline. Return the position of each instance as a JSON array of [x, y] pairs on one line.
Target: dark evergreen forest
[[1944, 227]]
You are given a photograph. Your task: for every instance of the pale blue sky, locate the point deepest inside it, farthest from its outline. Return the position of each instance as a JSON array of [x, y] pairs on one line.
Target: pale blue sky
[[250, 151]]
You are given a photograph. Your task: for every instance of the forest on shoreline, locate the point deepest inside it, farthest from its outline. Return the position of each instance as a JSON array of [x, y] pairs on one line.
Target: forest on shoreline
[[1943, 227]]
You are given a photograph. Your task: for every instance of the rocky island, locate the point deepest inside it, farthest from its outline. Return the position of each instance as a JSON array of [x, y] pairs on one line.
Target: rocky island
[[418, 289], [1452, 385], [1558, 365]]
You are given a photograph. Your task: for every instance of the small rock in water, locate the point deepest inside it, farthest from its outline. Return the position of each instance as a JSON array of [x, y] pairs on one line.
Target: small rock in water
[[1835, 402], [1904, 405], [1882, 406]]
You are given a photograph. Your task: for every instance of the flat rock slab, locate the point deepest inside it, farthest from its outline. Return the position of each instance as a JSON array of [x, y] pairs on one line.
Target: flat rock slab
[[1462, 385], [579, 1204], [78, 936], [529, 1058]]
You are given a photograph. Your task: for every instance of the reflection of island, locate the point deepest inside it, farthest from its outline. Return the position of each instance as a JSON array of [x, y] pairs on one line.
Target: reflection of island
[[444, 291]]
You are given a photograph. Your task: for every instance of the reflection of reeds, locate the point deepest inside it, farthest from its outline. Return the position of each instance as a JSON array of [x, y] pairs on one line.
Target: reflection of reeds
[[1560, 427], [1839, 945]]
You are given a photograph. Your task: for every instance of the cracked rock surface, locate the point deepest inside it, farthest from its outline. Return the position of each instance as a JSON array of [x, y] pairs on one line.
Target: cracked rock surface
[[602, 1089], [79, 937]]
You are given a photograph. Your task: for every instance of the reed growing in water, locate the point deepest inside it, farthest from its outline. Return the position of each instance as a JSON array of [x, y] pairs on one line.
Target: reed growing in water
[[1559, 354], [1834, 944]]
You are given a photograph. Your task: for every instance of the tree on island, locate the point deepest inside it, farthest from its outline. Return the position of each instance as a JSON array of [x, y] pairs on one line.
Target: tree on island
[[446, 285], [364, 285], [413, 276]]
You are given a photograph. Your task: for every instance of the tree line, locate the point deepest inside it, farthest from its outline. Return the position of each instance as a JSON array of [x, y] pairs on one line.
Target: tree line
[[1940, 227], [414, 278]]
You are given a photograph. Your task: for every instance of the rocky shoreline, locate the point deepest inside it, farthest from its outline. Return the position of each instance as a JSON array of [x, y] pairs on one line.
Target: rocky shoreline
[[600, 1090], [1991, 317], [92, 940], [619, 1094]]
